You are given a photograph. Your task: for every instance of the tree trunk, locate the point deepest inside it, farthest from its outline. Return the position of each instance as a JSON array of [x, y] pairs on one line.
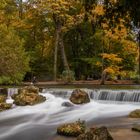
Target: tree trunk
[[55, 52], [63, 53], [103, 78], [20, 9]]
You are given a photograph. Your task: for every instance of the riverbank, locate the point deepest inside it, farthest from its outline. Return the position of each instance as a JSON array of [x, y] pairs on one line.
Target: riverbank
[[84, 82], [79, 84], [121, 84]]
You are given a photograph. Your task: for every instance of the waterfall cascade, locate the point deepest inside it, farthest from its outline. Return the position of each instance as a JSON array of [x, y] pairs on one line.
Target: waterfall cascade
[[103, 94], [11, 91], [116, 95]]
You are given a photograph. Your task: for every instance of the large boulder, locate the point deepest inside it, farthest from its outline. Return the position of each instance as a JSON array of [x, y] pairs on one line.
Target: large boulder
[[79, 97], [29, 89], [71, 129], [135, 114], [96, 134], [23, 99], [28, 95], [5, 106]]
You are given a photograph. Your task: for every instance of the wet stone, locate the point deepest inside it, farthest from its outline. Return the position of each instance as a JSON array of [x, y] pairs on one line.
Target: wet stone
[[71, 129], [79, 96], [135, 114], [136, 128], [96, 134]]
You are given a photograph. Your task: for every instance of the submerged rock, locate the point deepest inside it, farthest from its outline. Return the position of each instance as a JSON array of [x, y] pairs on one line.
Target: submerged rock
[[71, 129], [136, 128], [23, 99], [67, 104], [79, 97], [5, 106], [135, 114], [96, 134]]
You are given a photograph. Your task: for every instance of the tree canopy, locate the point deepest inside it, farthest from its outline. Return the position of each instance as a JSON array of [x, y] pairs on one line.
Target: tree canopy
[[68, 39]]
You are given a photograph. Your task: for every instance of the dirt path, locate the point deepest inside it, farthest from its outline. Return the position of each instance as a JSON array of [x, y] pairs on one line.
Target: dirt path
[[81, 82]]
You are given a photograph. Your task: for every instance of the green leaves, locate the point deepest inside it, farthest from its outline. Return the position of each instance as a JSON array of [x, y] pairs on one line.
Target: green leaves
[[14, 62]]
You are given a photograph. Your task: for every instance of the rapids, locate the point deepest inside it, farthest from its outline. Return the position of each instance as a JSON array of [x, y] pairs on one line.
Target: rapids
[[39, 122]]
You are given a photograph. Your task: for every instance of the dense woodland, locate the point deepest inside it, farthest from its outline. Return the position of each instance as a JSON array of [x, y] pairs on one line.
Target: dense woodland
[[69, 40]]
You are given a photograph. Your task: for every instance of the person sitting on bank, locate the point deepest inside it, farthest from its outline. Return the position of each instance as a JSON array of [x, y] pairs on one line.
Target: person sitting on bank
[[34, 80]]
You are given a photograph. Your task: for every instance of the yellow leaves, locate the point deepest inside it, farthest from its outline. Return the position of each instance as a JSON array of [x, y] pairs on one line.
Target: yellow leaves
[[112, 70], [98, 64], [65, 12], [109, 70], [111, 57], [99, 10], [113, 60], [129, 46]]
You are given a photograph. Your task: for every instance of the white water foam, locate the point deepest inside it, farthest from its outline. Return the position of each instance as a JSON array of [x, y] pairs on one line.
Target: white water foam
[[51, 113]]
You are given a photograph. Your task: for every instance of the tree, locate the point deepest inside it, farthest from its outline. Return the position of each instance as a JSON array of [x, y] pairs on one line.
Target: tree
[[63, 14], [14, 62]]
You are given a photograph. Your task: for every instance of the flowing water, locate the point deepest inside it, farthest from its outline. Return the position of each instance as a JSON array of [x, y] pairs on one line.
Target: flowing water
[[39, 122]]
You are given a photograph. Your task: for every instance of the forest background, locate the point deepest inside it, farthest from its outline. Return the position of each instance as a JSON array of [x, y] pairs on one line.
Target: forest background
[[69, 40]]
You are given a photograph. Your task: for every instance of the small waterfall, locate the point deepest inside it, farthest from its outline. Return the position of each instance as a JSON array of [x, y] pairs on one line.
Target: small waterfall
[[101, 94], [64, 93], [12, 91], [116, 95]]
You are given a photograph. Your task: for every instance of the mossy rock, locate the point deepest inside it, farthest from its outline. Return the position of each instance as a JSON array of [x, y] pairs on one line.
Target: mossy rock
[[71, 129], [2, 98], [135, 114], [79, 97], [23, 99], [136, 128], [5, 106], [96, 134], [29, 89]]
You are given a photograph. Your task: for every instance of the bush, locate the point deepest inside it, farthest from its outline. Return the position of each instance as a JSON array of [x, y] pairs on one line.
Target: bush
[[68, 76]]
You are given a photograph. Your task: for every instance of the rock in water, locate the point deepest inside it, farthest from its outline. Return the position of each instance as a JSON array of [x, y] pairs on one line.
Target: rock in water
[[71, 129], [5, 106], [29, 89], [2, 98], [96, 134], [28, 96], [67, 104], [79, 97], [135, 114]]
